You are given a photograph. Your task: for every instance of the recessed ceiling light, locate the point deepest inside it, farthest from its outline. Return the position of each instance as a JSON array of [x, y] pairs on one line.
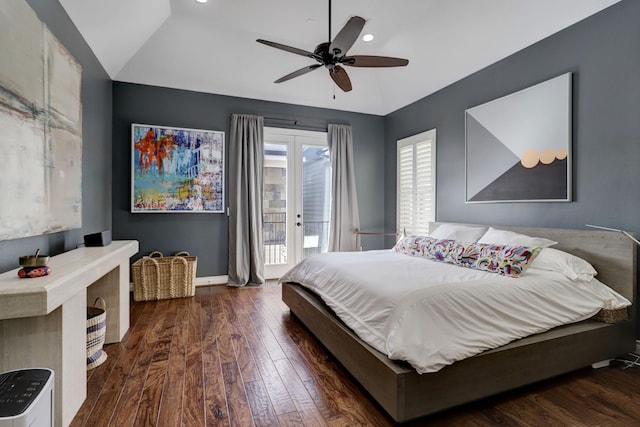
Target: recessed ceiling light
[[201, 1], [367, 37]]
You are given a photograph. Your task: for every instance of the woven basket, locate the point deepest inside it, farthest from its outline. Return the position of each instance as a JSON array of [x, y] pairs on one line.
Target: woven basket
[[96, 332], [158, 277], [611, 315]]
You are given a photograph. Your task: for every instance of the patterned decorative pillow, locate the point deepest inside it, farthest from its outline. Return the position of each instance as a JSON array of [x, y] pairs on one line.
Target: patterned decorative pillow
[[510, 261], [412, 245], [427, 247], [441, 250]]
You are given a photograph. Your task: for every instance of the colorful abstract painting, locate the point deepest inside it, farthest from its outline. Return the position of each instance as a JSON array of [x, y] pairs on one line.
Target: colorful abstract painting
[[518, 147], [177, 170], [40, 128]]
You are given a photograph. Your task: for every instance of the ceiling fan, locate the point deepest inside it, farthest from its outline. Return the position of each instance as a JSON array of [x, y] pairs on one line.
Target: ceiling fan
[[332, 54]]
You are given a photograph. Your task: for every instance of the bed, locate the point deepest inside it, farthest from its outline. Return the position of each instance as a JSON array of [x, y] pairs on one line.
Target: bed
[[405, 394]]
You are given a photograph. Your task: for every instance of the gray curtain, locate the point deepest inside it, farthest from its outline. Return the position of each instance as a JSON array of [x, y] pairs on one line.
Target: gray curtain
[[344, 200], [246, 159]]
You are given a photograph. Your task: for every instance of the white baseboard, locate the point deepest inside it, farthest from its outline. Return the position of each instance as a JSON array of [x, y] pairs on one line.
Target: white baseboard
[[203, 281], [601, 364], [212, 280]]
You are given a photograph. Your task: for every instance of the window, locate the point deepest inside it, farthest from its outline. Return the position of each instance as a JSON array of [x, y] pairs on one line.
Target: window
[[416, 193]]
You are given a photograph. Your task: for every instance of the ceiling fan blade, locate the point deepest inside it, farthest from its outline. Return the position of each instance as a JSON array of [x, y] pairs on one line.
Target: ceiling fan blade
[[373, 61], [347, 36], [297, 73], [340, 77], [289, 49]]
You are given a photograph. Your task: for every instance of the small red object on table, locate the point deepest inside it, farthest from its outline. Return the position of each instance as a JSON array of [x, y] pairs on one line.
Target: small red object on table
[[30, 272]]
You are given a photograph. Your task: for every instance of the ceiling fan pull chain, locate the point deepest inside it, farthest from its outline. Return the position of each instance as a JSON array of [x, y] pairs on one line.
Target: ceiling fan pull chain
[[329, 22]]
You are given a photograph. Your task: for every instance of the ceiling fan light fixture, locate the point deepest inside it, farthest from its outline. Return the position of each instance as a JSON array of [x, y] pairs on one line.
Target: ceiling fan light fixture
[[367, 37]]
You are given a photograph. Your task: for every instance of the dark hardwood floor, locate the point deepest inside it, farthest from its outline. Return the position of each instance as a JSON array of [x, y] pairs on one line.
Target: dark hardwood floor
[[237, 357]]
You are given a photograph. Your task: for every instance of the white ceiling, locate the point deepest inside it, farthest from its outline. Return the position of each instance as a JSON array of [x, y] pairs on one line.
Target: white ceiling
[[211, 47]]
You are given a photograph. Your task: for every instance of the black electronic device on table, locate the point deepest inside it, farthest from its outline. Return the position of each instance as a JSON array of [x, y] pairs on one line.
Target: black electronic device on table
[[98, 239]]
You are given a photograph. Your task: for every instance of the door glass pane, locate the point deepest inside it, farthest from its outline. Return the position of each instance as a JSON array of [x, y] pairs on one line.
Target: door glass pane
[[316, 197], [275, 204]]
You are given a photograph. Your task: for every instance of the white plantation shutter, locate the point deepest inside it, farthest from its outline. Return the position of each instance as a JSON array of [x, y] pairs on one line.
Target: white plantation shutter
[[416, 193], [405, 186]]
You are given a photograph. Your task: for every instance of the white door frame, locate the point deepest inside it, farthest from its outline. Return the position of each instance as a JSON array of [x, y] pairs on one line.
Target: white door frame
[[294, 139]]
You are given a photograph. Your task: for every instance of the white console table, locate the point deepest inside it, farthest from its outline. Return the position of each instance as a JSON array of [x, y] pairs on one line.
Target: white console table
[[43, 320]]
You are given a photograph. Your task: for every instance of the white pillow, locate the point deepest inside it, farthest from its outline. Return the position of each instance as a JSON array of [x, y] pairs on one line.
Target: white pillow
[[509, 238], [573, 267], [460, 233]]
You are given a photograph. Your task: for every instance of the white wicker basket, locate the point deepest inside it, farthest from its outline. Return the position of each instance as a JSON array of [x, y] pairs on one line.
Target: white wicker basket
[[96, 333]]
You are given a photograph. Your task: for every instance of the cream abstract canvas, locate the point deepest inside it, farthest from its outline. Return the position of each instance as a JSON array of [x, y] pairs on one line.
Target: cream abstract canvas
[[40, 128]]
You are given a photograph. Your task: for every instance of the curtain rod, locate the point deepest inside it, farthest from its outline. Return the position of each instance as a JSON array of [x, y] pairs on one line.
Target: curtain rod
[[294, 121], [308, 124]]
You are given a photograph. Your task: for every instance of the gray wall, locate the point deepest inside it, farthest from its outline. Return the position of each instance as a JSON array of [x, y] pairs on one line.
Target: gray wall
[[206, 235], [603, 55], [96, 144]]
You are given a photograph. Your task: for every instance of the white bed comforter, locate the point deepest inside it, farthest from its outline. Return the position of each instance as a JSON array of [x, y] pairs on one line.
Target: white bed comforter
[[432, 314]]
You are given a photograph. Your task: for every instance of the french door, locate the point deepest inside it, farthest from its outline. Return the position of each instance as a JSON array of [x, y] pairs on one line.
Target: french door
[[297, 194]]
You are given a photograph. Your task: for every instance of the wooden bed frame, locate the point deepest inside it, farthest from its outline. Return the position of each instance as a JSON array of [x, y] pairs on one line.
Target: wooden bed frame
[[407, 395]]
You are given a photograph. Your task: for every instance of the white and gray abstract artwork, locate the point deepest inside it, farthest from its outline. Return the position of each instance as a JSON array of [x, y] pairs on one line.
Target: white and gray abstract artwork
[[40, 128], [518, 147]]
